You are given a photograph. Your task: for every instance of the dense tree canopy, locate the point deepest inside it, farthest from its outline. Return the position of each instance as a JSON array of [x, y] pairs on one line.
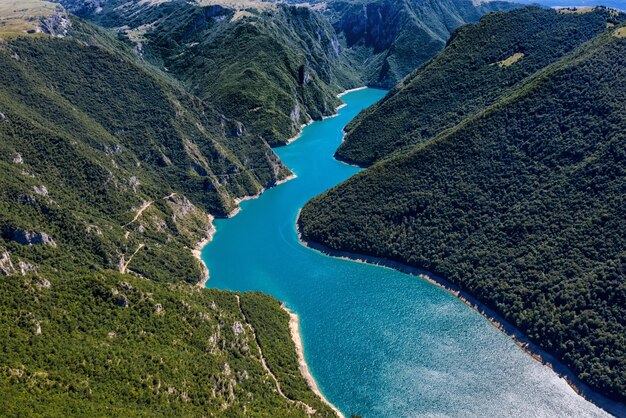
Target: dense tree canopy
[[471, 73], [274, 66]]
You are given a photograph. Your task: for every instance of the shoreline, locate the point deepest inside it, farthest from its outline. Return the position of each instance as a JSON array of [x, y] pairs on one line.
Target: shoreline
[[334, 115], [197, 252], [238, 200], [339, 96], [519, 338], [343, 93], [294, 320], [296, 336], [362, 167], [299, 134], [208, 237]]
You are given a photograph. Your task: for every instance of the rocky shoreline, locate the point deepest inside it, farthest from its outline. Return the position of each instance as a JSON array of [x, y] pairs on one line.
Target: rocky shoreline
[[343, 93], [197, 253]]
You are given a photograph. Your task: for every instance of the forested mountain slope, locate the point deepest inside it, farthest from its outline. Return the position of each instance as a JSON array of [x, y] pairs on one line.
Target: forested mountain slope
[[271, 66], [472, 72], [106, 344], [108, 173], [90, 133], [521, 204], [275, 71], [391, 38], [275, 67]]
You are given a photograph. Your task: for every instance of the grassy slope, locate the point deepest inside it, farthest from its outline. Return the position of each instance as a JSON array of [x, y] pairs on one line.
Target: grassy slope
[[441, 93], [521, 205], [87, 136]]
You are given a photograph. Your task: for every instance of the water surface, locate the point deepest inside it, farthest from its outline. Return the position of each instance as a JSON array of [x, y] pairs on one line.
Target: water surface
[[380, 343]]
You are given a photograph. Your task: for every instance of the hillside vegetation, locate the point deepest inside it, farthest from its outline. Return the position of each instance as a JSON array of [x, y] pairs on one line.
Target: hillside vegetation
[[108, 173], [106, 344], [273, 66], [520, 204], [274, 71], [89, 137], [474, 71], [390, 38]]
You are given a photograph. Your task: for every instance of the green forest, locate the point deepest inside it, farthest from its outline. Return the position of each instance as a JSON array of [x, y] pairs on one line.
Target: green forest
[[272, 68], [108, 173], [520, 204], [117, 144], [499, 165], [275, 67], [466, 77], [106, 344], [388, 39]]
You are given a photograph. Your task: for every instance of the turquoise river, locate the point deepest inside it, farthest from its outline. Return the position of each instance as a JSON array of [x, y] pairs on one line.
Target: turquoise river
[[380, 343]]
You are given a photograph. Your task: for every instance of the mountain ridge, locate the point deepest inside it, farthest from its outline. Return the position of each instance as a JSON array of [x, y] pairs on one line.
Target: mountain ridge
[[275, 66], [438, 95]]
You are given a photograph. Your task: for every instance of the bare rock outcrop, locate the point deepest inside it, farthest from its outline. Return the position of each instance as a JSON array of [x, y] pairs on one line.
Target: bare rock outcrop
[[238, 328], [26, 268], [44, 283], [8, 268], [133, 181], [57, 24], [158, 309], [24, 237], [232, 127], [41, 190], [6, 265]]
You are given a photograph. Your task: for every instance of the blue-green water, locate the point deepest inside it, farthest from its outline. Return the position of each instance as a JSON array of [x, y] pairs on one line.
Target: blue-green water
[[380, 343]]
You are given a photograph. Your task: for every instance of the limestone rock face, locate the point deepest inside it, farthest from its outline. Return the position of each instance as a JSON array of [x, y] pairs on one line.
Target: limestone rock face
[[6, 265], [57, 24], [26, 268], [7, 268], [44, 283], [238, 328], [233, 128], [41, 190], [25, 237]]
